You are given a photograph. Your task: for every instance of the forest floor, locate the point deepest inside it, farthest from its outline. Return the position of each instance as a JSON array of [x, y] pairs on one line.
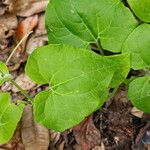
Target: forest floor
[[116, 126]]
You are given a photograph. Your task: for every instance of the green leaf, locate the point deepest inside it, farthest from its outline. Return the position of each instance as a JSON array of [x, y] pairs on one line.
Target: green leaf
[[139, 93], [121, 65], [84, 21], [4, 73], [138, 44], [78, 83], [10, 115], [141, 8]]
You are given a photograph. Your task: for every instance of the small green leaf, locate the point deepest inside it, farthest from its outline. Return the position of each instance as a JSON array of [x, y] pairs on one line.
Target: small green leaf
[[139, 93], [78, 79], [10, 115], [4, 73], [138, 44], [84, 21], [141, 8]]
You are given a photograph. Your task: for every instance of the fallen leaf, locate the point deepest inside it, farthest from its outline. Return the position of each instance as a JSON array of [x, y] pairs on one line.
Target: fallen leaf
[[87, 135], [34, 136], [136, 112], [9, 20], [23, 81], [102, 147], [3, 8], [35, 42], [55, 137], [33, 7], [39, 37], [40, 29], [24, 27], [5, 32]]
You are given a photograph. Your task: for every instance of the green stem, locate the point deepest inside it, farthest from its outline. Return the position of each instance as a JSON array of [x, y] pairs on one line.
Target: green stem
[[21, 90], [113, 92], [100, 48], [12, 53]]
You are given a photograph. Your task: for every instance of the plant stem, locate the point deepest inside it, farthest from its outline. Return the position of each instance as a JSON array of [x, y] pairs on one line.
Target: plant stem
[[12, 53], [21, 90], [100, 48], [113, 92]]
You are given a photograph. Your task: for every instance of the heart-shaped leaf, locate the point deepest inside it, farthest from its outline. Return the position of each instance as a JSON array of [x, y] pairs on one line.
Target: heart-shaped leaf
[[10, 115], [4, 73], [82, 22], [78, 83], [141, 8], [138, 44], [139, 93]]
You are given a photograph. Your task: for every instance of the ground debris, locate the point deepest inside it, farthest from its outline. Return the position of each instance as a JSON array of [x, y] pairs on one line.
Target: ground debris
[[23, 81], [34, 136], [86, 134]]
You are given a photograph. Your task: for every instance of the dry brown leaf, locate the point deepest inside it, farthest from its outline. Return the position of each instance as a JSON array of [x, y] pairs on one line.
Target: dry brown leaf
[[9, 20], [35, 42], [39, 38], [3, 8], [136, 112], [33, 7], [40, 29], [24, 27], [87, 135], [5, 32], [23, 81], [17, 5], [102, 147], [34, 137], [55, 137]]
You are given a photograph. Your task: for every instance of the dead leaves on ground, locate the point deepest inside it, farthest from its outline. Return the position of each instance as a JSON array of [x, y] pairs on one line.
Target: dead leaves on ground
[[114, 123], [23, 8], [24, 82], [17, 18], [87, 135], [34, 136], [25, 27]]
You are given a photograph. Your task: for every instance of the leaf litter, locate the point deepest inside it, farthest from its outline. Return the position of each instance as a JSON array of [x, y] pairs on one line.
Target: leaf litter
[[114, 126]]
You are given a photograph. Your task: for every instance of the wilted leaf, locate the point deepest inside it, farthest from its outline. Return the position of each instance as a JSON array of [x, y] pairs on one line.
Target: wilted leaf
[[39, 37], [141, 8], [139, 93], [9, 20], [79, 26], [10, 115], [79, 81], [25, 27], [138, 44], [87, 135], [34, 136], [32, 7]]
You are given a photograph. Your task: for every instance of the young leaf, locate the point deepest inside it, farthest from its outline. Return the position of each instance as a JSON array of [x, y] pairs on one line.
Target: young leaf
[[84, 21], [141, 8], [138, 44], [78, 79], [139, 93], [4, 73], [10, 115]]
